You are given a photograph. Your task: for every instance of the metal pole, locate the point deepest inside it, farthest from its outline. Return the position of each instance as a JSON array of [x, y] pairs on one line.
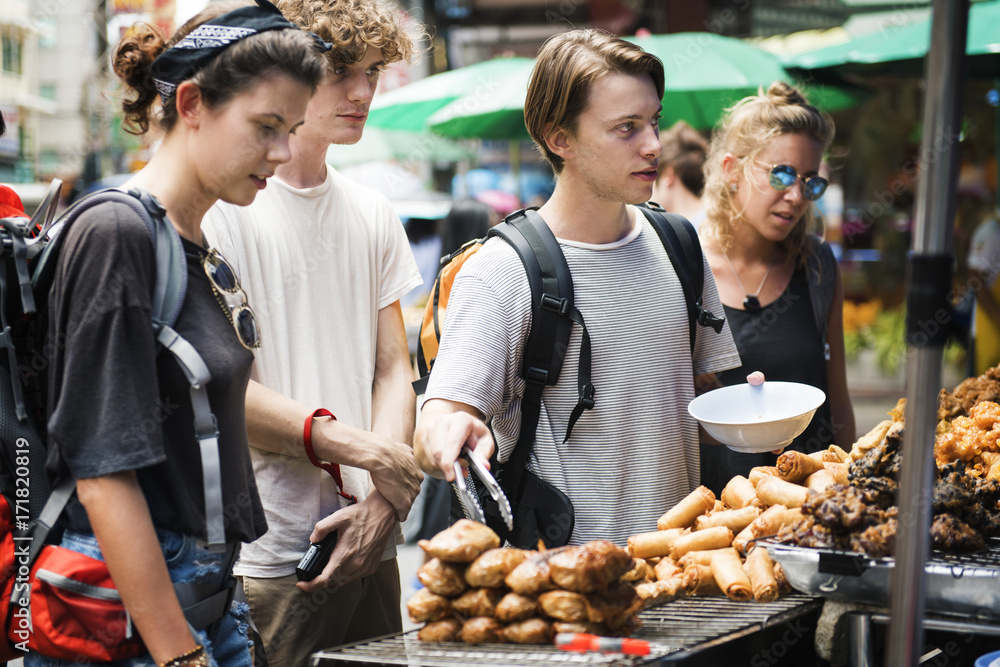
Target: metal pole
[[927, 314]]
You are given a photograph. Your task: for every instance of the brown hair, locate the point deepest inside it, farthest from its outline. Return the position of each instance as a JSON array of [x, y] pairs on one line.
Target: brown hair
[[567, 65], [234, 71], [684, 150], [744, 131], [352, 26]]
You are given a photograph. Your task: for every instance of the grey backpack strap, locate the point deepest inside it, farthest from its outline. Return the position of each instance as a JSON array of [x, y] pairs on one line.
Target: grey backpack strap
[[821, 271]]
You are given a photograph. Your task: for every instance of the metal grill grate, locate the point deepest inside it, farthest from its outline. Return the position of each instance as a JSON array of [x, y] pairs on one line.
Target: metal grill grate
[[672, 629]]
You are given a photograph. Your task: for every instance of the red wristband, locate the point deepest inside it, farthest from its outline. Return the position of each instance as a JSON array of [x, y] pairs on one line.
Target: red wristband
[[331, 468]]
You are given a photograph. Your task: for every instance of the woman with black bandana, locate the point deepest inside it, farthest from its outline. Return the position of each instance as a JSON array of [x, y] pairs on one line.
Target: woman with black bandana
[[233, 84]]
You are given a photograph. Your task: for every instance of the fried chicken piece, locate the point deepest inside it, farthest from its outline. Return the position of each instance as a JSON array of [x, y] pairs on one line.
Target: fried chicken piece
[[477, 602], [482, 630], [614, 606], [968, 393], [463, 542], [836, 507], [531, 631], [490, 569], [515, 607], [442, 578], [877, 540], [446, 630], [970, 435], [590, 567], [949, 533], [564, 606], [810, 533], [425, 606], [533, 575]]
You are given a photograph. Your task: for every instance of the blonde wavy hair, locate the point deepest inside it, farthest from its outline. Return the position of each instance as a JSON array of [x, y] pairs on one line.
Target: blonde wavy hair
[[353, 26], [744, 131]]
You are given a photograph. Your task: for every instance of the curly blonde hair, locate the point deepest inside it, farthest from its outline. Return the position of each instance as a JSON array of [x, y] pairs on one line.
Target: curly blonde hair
[[744, 131], [352, 26]]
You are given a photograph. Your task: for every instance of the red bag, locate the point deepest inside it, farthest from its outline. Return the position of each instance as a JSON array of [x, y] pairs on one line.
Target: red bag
[[73, 612]]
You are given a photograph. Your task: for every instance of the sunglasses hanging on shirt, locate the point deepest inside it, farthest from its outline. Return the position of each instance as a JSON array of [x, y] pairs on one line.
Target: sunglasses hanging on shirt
[[224, 280]]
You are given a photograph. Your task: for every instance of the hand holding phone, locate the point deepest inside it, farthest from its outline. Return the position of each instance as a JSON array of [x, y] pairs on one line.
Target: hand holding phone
[[316, 557]]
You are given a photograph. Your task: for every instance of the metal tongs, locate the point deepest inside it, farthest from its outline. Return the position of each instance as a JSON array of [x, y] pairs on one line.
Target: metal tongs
[[470, 502]]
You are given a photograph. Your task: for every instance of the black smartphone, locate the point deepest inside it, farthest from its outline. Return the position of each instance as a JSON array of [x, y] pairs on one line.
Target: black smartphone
[[315, 558]]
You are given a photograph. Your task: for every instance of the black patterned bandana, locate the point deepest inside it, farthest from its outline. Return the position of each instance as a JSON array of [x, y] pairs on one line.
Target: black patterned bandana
[[183, 59]]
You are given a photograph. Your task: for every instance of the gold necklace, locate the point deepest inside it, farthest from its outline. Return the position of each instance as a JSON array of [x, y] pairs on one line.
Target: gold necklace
[[751, 302]]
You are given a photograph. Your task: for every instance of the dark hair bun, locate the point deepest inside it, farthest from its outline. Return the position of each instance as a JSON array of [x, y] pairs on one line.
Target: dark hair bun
[[132, 60]]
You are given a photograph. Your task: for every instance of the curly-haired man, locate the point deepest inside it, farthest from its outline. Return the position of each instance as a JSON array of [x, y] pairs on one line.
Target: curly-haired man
[[326, 261]]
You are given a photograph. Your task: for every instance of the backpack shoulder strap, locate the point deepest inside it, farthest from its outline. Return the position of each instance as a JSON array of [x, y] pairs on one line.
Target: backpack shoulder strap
[[680, 239], [553, 315], [821, 271]]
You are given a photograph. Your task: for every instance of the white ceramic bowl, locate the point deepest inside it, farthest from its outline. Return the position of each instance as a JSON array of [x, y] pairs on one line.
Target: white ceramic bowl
[[757, 419]]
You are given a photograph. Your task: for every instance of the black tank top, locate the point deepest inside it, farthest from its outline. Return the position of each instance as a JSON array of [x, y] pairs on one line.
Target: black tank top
[[780, 340]]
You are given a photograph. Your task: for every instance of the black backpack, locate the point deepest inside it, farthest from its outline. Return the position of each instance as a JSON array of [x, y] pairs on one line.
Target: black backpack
[[29, 253], [540, 509]]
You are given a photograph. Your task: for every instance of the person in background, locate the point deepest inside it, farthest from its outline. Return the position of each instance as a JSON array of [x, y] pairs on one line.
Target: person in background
[[984, 259], [593, 108], [326, 261], [758, 237], [227, 113], [681, 178], [10, 203], [468, 219]]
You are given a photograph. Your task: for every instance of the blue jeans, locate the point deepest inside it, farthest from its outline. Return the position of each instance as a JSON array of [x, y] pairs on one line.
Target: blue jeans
[[186, 563]]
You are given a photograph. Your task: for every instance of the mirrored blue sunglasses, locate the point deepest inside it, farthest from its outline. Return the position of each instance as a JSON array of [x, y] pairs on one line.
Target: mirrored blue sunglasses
[[783, 176]]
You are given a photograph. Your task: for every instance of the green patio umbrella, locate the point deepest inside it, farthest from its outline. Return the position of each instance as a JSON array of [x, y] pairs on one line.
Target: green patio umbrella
[[378, 144], [498, 116], [901, 50], [409, 107]]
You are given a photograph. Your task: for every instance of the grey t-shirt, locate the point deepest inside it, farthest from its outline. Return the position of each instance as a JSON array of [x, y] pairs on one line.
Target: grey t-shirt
[[118, 402], [636, 453]]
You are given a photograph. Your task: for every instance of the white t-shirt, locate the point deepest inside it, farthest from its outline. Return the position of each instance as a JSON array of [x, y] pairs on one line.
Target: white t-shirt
[[635, 454], [317, 265]]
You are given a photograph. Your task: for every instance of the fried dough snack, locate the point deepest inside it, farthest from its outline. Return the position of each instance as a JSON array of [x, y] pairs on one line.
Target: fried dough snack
[[477, 602], [446, 630], [530, 631], [425, 606], [684, 513], [776, 491], [666, 569], [795, 466], [702, 540], [482, 630], [840, 472], [739, 493], [564, 606], [463, 542], [970, 436], [638, 572], [654, 544], [870, 440], [493, 566], [727, 568], [442, 578], [590, 567], [515, 607], [734, 520], [760, 568], [819, 480]]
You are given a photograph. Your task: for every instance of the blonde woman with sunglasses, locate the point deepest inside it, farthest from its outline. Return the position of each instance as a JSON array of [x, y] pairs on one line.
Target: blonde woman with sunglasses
[[762, 178]]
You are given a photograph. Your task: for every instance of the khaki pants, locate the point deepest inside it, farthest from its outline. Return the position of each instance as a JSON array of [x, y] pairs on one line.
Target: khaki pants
[[294, 624]]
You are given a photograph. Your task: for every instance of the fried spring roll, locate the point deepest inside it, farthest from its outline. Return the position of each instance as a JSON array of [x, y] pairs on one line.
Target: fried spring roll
[[795, 466], [699, 557], [834, 454], [839, 471], [740, 541], [770, 525], [653, 593], [776, 491], [760, 568], [760, 472], [698, 580], [638, 572], [750, 532], [727, 569], [683, 514], [779, 576], [739, 493], [819, 480], [654, 544], [666, 569], [734, 520], [701, 540]]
